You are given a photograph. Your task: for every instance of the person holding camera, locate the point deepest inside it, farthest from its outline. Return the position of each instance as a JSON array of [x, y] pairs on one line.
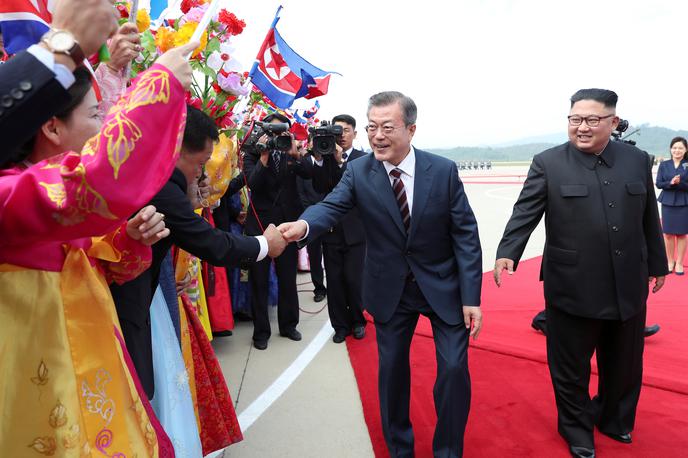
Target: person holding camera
[[344, 244], [271, 166]]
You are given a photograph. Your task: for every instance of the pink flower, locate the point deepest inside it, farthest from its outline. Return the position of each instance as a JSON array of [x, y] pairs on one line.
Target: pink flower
[[232, 84]]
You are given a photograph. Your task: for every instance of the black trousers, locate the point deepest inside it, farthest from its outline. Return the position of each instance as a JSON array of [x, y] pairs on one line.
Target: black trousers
[[571, 342], [287, 299], [315, 256], [344, 266], [452, 391]]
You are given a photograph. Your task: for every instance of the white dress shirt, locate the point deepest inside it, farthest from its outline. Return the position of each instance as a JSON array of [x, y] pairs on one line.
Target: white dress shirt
[[62, 73]]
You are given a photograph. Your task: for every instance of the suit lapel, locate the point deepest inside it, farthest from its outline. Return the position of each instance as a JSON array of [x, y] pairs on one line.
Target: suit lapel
[[422, 181], [378, 176]]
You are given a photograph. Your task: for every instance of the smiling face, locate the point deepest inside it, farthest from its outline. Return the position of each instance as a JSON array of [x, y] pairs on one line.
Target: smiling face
[[678, 151], [389, 137], [592, 139]]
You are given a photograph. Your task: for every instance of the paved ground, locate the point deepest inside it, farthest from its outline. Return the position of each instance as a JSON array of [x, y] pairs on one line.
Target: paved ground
[[292, 406]]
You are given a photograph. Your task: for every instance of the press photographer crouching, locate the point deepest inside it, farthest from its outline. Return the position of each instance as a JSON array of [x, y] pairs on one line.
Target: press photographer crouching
[[344, 245], [271, 165]]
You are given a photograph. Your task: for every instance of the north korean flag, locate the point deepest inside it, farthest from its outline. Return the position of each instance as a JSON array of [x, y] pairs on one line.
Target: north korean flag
[[283, 75], [23, 22]]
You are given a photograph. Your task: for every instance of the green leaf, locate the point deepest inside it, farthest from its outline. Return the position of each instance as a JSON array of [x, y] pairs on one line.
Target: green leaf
[[148, 42], [213, 45]]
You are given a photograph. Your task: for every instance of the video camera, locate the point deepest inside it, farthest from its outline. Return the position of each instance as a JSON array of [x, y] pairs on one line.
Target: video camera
[[620, 129], [325, 138], [276, 141]]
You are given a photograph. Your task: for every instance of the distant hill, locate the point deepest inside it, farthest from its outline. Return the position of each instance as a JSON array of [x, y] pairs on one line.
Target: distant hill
[[655, 140]]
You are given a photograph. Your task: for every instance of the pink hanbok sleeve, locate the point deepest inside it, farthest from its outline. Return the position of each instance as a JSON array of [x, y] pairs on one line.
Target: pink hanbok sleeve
[[119, 170], [134, 257], [112, 85]]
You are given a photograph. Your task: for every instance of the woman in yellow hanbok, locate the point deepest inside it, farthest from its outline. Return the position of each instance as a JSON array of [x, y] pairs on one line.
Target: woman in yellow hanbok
[[65, 389]]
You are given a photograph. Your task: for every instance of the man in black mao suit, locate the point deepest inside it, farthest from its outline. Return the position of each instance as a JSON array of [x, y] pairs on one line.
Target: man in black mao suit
[[272, 179], [344, 243], [423, 257], [188, 231], [603, 244]]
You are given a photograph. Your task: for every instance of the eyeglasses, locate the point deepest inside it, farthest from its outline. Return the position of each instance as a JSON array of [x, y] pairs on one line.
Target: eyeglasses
[[387, 129], [591, 121]]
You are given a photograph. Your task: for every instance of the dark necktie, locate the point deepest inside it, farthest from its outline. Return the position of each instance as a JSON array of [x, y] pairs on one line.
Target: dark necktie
[[400, 195], [276, 158], [344, 156]]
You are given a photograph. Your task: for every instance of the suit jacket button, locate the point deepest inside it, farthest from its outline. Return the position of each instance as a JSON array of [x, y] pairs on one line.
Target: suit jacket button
[[25, 86], [607, 182], [6, 101], [617, 252], [611, 205], [615, 229], [17, 94]]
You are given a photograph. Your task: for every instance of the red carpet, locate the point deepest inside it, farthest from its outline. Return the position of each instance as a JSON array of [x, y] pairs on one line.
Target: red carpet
[[512, 408]]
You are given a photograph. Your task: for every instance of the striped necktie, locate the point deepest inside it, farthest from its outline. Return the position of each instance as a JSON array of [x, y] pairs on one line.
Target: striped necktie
[[400, 195]]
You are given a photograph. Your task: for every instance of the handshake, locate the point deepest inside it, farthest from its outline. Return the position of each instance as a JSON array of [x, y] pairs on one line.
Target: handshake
[[278, 237]]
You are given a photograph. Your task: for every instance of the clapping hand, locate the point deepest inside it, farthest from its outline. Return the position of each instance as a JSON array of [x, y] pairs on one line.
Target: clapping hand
[[676, 180], [276, 243], [148, 226]]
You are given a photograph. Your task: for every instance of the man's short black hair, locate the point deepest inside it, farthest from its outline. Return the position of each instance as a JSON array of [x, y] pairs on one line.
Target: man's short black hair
[[604, 96], [199, 128], [277, 116], [346, 119]]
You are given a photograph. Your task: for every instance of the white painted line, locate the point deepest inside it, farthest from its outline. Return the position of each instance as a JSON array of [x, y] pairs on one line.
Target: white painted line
[[280, 385]]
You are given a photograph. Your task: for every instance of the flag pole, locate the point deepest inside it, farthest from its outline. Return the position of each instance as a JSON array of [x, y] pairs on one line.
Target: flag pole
[[205, 21], [132, 19]]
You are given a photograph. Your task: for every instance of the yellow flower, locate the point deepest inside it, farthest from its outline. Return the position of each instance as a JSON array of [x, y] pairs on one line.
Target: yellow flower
[[143, 20], [184, 34], [164, 39]]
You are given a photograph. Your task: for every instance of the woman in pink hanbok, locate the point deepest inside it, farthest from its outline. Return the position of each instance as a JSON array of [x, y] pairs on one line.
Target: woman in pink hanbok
[[65, 387]]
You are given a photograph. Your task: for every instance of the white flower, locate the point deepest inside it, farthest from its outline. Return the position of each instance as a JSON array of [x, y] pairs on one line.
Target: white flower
[[224, 60]]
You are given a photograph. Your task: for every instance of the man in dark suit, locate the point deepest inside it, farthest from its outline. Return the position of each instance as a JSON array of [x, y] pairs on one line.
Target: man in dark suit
[[603, 244], [423, 257], [33, 84], [188, 231], [271, 177], [344, 243], [309, 196]]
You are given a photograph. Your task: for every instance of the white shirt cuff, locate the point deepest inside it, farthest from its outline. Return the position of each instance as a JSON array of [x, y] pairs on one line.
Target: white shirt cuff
[[308, 229], [319, 163], [62, 73], [263, 247]]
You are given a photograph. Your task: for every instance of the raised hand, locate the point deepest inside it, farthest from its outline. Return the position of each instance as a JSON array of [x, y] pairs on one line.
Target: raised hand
[[148, 226], [124, 46], [500, 265], [276, 243], [90, 21], [175, 61], [293, 231]]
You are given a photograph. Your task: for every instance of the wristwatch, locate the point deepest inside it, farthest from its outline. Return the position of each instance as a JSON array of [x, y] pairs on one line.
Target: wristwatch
[[63, 42]]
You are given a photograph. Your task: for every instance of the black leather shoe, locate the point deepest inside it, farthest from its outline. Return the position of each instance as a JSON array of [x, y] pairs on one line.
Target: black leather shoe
[[581, 452], [624, 438], [651, 330], [260, 344], [292, 334], [539, 322], [319, 297], [359, 332], [338, 337]]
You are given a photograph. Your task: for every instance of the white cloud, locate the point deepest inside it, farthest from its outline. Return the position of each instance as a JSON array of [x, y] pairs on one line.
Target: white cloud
[[489, 71]]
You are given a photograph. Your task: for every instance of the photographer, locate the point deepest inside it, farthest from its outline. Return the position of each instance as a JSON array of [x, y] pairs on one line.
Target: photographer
[[344, 244], [271, 164]]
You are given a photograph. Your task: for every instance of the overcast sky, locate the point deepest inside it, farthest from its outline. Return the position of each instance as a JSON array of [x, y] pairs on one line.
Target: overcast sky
[[484, 72]]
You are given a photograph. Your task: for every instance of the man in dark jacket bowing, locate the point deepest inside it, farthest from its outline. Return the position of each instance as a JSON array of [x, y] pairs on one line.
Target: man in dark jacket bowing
[[423, 257], [188, 231], [603, 245]]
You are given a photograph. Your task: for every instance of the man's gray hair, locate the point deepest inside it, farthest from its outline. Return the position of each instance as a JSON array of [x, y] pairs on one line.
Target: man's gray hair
[[383, 99]]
